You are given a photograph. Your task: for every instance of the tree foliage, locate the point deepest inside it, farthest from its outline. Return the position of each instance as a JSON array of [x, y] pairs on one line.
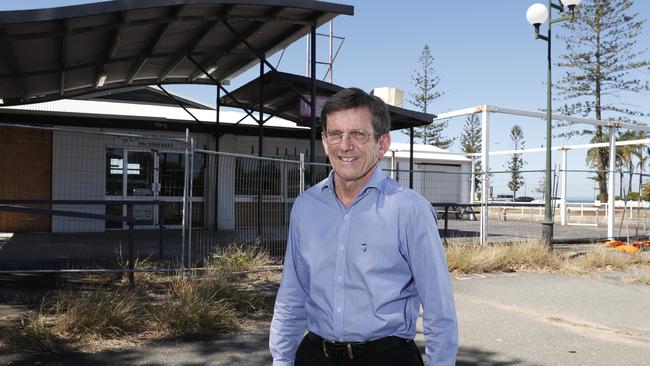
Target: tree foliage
[[516, 162], [470, 143], [601, 53], [425, 84]]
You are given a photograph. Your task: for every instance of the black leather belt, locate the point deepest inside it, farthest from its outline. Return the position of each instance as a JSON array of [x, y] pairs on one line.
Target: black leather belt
[[354, 350]]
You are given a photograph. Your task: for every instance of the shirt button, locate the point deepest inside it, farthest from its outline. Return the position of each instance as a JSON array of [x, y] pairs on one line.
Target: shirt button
[[340, 278], [341, 247], [338, 310], [346, 216]]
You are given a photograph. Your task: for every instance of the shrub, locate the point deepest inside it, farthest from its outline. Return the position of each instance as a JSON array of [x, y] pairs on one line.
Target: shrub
[[101, 312], [238, 257]]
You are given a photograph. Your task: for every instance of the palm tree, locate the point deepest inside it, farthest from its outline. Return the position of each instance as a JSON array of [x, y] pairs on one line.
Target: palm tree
[[593, 160]]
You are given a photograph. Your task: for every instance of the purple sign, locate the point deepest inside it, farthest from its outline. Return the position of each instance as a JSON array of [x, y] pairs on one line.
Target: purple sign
[[305, 108]]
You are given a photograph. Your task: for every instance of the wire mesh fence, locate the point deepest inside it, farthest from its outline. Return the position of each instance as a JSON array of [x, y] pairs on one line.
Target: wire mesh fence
[[62, 190]]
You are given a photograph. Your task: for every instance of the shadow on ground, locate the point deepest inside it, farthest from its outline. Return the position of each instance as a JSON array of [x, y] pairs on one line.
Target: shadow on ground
[[234, 349]]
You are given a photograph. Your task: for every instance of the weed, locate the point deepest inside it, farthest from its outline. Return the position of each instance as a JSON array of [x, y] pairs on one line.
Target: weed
[[196, 307], [238, 257], [102, 312], [32, 334]]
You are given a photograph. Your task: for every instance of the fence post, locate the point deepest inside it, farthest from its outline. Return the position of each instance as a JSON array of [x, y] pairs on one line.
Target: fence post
[[161, 228], [189, 205], [131, 255], [563, 183], [610, 186], [485, 178], [185, 181], [302, 172]]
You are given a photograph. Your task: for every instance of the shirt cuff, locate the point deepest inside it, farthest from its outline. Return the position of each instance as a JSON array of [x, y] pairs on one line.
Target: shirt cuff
[[282, 363]]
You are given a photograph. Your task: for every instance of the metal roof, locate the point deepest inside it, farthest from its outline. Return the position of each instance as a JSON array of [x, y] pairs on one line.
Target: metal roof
[[56, 53], [281, 100]]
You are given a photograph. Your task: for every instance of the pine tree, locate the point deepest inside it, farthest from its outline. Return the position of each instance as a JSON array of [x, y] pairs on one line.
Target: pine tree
[[601, 52], [517, 162], [470, 143], [425, 83]]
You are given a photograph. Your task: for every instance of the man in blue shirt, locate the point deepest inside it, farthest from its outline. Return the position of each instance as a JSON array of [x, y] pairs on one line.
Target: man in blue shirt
[[363, 254]]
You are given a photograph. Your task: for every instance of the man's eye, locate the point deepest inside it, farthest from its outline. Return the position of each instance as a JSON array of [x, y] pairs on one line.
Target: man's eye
[[357, 134]]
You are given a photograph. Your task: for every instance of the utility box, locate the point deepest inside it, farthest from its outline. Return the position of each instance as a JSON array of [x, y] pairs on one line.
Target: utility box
[[390, 95]]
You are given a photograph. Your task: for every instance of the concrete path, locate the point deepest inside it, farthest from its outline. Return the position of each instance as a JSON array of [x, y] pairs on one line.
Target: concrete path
[[505, 319]]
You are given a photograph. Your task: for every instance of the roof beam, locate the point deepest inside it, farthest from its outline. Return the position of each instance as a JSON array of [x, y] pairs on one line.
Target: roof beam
[[245, 34], [93, 64], [8, 51], [111, 51], [154, 21], [152, 46], [178, 58], [63, 51]]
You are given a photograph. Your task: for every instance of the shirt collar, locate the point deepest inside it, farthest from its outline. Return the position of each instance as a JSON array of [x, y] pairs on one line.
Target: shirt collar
[[376, 180]]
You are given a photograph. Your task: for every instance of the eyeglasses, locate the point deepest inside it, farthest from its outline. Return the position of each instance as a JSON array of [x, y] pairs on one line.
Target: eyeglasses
[[357, 137]]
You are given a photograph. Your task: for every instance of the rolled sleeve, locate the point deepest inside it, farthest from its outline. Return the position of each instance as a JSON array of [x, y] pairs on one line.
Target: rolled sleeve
[[431, 274]]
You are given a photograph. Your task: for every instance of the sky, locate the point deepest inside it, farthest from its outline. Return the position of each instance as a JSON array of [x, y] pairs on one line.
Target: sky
[[484, 53]]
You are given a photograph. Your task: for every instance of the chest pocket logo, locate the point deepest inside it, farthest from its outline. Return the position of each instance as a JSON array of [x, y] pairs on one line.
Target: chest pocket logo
[[364, 247]]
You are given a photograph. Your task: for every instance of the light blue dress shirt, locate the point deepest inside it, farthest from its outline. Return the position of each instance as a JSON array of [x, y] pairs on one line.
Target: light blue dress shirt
[[360, 273]]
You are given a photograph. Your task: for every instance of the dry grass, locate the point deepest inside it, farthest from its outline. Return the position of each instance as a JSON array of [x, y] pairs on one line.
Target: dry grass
[[533, 255], [195, 307], [239, 257], [638, 281], [33, 333], [527, 255], [102, 312]]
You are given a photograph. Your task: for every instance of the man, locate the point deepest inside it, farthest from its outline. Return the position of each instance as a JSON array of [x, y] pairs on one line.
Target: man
[[363, 253]]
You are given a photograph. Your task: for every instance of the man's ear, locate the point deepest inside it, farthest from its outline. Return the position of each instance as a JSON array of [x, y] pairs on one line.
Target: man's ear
[[384, 143]]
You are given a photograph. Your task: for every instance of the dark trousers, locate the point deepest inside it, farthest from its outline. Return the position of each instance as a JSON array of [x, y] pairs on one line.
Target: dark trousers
[[310, 353]]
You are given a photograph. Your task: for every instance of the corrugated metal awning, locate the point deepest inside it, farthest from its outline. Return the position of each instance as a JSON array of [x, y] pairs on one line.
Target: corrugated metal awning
[[48, 54], [282, 98]]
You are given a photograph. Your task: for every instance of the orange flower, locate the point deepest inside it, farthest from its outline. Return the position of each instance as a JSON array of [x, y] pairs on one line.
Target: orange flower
[[630, 249], [614, 243]]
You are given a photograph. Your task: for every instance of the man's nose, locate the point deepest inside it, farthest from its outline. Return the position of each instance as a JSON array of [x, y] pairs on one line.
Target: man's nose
[[346, 142]]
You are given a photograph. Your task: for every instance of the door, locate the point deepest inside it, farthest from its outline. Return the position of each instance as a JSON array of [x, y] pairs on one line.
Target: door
[[136, 175]]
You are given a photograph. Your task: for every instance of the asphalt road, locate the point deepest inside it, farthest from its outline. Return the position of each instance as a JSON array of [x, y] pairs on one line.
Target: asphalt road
[[504, 319]]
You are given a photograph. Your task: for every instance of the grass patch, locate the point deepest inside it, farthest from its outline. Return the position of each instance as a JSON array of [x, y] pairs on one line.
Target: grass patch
[[499, 257], [196, 307], [638, 281], [31, 334], [239, 257], [103, 312], [534, 255]]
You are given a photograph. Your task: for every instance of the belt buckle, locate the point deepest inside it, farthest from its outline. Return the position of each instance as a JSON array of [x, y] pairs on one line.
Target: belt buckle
[[336, 345]]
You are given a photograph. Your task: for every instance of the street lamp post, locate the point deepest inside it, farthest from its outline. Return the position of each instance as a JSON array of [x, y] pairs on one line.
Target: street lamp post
[[536, 15]]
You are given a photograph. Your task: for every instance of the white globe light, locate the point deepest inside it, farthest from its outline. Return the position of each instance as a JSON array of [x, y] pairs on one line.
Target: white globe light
[[537, 14], [570, 2]]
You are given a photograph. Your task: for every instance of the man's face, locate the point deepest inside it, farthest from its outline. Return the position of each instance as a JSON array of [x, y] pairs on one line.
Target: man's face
[[353, 161]]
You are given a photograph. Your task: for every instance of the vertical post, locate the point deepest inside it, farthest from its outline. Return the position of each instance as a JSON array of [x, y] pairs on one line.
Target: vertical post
[[563, 187], [131, 255], [547, 223], [610, 184], [260, 144], [393, 166], [411, 143], [189, 205], [185, 180], [331, 44], [217, 157], [161, 229], [302, 172], [312, 140], [472, 186], [485, 178]]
